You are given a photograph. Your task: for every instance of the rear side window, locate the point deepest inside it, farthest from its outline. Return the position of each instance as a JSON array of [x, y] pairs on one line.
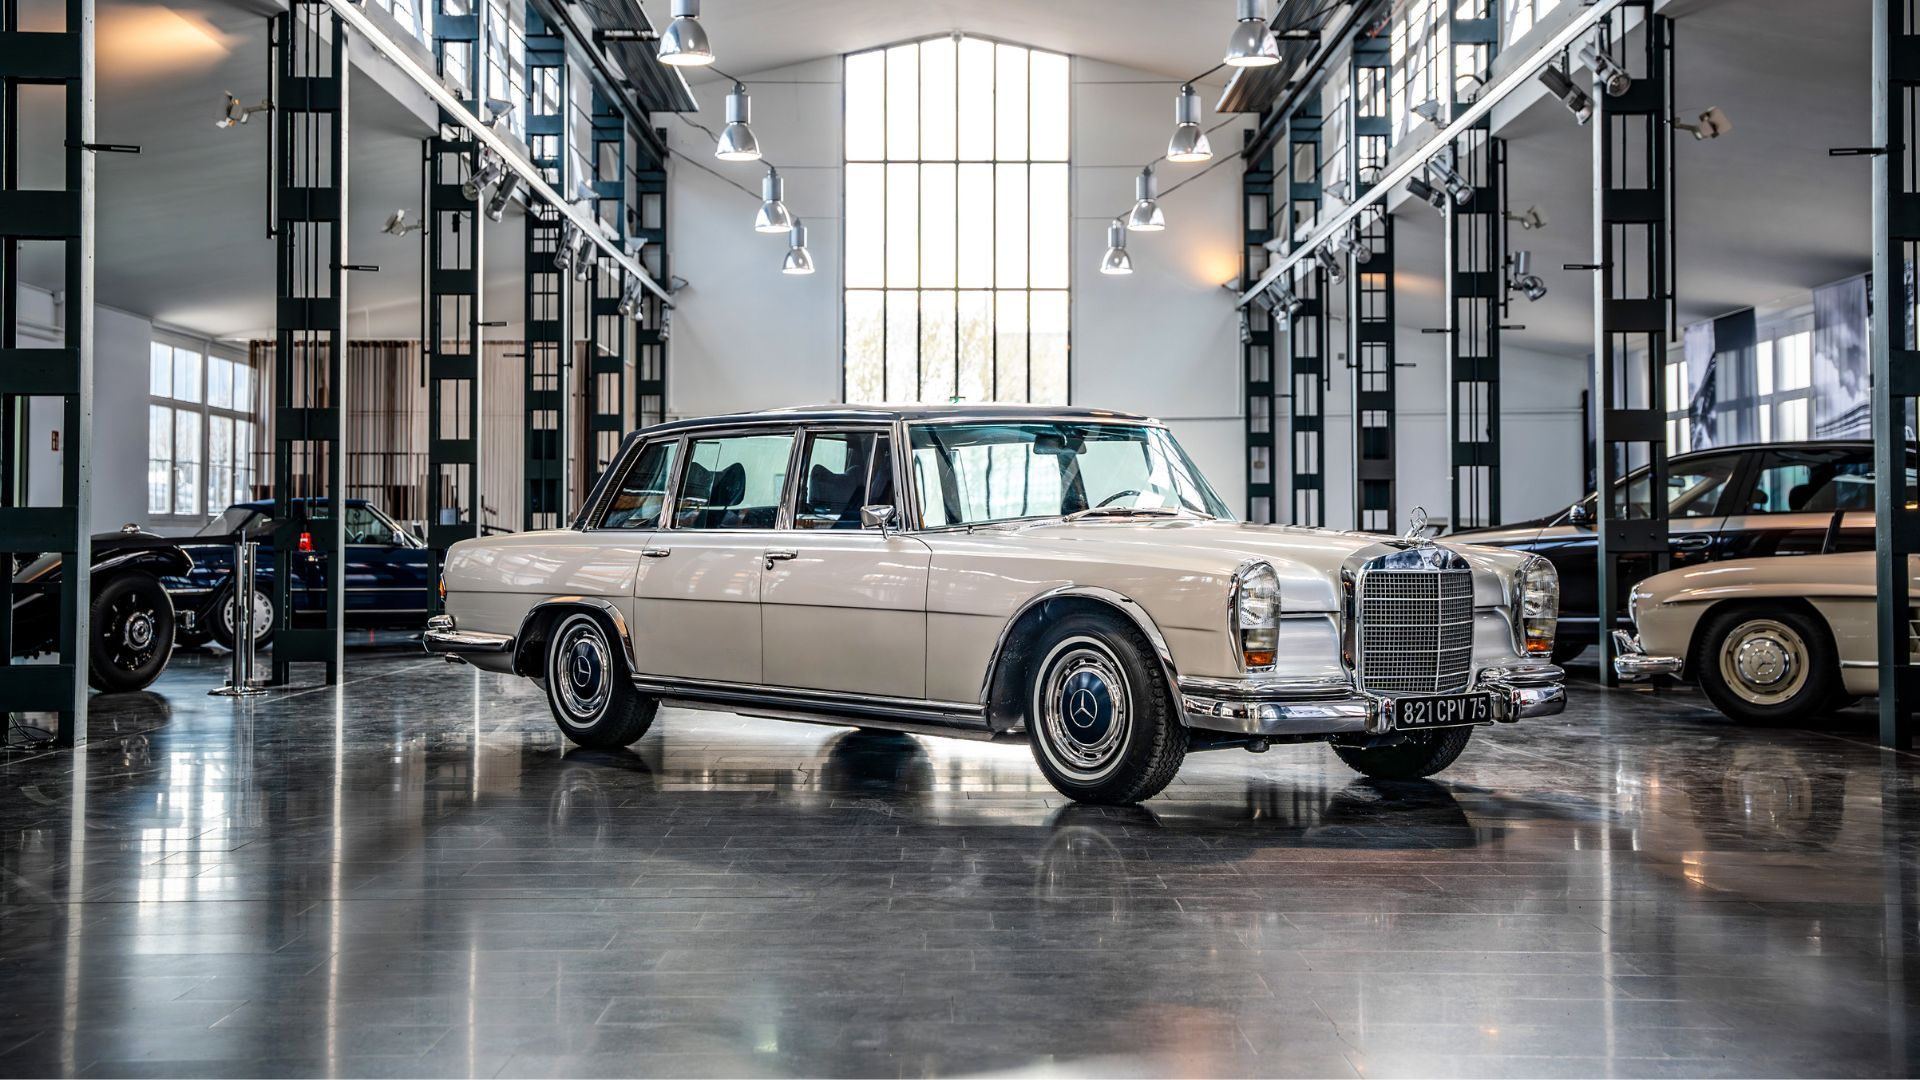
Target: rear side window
[[642, 493], [1813, 481], [733, 482]]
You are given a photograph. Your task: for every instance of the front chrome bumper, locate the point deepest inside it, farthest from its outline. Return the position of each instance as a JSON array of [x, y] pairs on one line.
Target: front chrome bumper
[[443, 638], [1283, 708], [1631, 662]]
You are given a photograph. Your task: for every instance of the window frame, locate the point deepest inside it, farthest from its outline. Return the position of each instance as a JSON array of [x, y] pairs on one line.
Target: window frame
[[790, 508], [627, 463], [208, 351], [782, 519]]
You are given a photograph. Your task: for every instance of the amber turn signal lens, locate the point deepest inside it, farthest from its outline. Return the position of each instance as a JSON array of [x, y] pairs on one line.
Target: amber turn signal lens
[[443, 588], [1538, 645], [1259, 657]]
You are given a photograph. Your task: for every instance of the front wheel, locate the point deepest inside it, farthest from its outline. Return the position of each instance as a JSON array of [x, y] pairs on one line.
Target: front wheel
[[220, 626], [1100, 714], [133, 626], [1420, 753], [592, 698], [1768, 667]]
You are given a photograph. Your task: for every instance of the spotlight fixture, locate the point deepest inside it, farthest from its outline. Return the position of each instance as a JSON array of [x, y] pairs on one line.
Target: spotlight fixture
[[1117, 261], [502, 196], [398, 225], [1607, 71], [629, 305], [685, 42], [799, 260], [1574, 98], [1440, 168], [773, 216], [489, 173], [1337, 189], [1357, 243], [1252, 43], [736, 139], [1146, 215], [1420, 189], [1711, 125], [568, 252], [1332, 263], [1428, 110], [1189, 143], [1288, 304], [586, 259], [497, 110], [237, 114], [1530, 219], [1522, 279]]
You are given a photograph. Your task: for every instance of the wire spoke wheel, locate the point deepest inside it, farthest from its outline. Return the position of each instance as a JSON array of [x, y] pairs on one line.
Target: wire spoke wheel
[[131, 633]]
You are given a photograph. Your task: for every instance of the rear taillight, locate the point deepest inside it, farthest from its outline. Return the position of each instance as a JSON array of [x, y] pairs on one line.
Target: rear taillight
[[306, 541]]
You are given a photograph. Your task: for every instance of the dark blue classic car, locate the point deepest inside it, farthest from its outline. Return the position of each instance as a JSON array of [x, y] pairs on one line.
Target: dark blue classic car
[[386, 573]]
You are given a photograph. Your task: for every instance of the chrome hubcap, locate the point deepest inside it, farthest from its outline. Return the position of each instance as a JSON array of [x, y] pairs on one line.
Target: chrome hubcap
[[1082, 707], [1764, 661], [580, 673], [138, 633]]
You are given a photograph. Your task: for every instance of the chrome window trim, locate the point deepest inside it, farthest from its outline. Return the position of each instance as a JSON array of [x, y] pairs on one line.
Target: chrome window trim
[[880, 429], [782, 519]]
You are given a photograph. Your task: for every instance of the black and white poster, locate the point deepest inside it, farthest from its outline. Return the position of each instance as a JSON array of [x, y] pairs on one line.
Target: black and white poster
[[1841, 394]]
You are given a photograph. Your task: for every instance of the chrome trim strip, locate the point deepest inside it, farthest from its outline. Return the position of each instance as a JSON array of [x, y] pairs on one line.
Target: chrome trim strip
[[1631, 662], [1521, 674], [442, 637], [1286, 686], [1247, 713], [1092, 592], [816, 702]]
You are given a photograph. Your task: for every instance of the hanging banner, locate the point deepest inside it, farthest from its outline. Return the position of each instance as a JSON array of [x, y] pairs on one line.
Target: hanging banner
[[1841, 394], [1698, 340]]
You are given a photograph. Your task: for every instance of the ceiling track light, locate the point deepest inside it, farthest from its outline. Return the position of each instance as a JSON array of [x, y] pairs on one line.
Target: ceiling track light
[[1574, 98], [1531, 218], [1357, 243], [1252, 43], [1522, 279], [773, 216], [1146, 215], [1607, 72], [799, 260], [736, 139], [684, 44], [398, 225], [1189, 143], [1709, 125], [1289, 305], [568, 252], [502, 196], [1332, 262], [1116, 260], [629, 304], [488, 174], [1440, 168], [497, 109], [236, 113], [1420, 189]]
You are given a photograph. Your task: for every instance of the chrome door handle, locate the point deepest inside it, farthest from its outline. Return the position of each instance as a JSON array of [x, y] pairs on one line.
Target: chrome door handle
[[655, 553], [1693, 541], [774, 555]]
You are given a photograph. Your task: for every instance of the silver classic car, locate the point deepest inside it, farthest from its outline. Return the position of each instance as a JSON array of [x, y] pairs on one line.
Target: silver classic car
[[990, 572]]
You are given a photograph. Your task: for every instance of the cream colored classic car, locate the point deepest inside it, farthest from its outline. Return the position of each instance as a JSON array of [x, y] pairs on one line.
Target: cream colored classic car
[[993, 572], [1769, 640]]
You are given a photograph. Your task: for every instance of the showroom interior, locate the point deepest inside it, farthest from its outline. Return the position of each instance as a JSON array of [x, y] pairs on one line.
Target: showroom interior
[[434, 319]]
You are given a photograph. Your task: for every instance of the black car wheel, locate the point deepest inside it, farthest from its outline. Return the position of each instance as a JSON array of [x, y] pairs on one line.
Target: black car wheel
[[219, 619], [1100, 714], [588, 687], [1767, 666], [133, 625]]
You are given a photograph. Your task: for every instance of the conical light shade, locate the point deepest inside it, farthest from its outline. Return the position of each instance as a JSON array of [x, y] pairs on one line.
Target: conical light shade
[[685, 42], [1146, 215], [1189, 143], [799, 261], [1252, 44], [773, 216], [736, 139], [1116, 260]]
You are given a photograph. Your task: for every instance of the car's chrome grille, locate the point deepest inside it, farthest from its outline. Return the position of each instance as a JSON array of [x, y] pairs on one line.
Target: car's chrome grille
[[1416, 631]]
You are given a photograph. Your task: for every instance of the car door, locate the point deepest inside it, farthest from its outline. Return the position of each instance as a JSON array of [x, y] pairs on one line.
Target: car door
[[696, 602], [386, 576], [843, 607], [1791, 503]]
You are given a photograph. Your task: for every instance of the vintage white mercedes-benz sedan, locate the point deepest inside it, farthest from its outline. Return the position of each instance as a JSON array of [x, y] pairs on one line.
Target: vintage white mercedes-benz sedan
[[993, 572]]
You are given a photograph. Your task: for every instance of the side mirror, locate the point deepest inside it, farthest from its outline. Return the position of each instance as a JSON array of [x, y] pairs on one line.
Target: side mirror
[[879, 517], [1579, 515]]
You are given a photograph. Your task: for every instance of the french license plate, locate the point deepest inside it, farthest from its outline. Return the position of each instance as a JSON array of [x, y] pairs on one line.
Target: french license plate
[[1433, 712]]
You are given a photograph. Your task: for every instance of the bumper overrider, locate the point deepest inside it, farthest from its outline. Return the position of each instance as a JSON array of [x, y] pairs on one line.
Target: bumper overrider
[[1632, 663], [1314, 707]]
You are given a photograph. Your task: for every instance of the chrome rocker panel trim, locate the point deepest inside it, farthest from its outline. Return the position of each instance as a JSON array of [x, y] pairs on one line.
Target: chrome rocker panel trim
[[1632, 664], [1290, 707]]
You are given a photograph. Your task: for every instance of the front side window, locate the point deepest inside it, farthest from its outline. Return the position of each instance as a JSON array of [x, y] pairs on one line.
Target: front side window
[[1693, 489], [733, 482], [842, 472], [957, 223], [974, 474], [642, 494]]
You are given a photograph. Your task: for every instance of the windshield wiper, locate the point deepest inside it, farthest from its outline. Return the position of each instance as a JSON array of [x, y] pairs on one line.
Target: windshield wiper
[[1122, 511]]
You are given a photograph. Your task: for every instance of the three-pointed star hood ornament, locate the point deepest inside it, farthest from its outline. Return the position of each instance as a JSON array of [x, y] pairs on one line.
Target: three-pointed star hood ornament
[[1417, 525]]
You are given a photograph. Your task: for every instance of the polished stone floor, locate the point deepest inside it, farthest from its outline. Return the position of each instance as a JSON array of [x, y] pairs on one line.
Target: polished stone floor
[[414, 875]]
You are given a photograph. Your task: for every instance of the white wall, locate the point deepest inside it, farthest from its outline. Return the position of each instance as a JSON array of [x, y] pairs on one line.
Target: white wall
[[119, 453]]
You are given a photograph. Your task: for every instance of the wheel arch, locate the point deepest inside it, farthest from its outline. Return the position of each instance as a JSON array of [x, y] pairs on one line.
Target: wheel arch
[[1002, 691], [530, 644]]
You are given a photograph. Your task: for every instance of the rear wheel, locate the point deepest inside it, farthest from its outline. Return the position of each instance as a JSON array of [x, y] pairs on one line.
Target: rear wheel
[[1768, 666], [220, 625], [133, 624], [1100, 714], [1418, 754], [592, 697]]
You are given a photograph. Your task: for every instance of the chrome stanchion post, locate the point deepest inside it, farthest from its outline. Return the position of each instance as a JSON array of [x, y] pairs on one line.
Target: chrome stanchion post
[[240, 681]]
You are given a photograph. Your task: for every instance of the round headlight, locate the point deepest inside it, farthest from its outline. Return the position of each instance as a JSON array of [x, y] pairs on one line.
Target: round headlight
[[1258, 597]]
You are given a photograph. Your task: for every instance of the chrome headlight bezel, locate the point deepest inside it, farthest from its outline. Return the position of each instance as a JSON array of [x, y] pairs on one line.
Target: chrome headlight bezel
[[1254, 604], [1536, 613]]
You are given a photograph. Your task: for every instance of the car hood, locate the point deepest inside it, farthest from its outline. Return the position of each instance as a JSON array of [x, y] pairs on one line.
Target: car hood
[[1514, 533]]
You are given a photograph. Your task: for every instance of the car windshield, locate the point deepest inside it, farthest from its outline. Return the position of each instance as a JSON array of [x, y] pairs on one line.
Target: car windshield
[[979, 473], [232, 520]]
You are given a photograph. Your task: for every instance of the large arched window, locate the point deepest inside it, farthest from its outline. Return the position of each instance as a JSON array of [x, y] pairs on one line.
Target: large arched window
[[957, 223]]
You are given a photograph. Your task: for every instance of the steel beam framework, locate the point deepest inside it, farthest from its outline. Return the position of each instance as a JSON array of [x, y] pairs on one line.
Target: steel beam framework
[[647, 220], [1370, 307], [1896, 354], [310, 338], [1307, 326], [549, 333], [608, 338], [1476, 262], [1257, 330], [452, 351], [58, 219], [1633, 306]]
